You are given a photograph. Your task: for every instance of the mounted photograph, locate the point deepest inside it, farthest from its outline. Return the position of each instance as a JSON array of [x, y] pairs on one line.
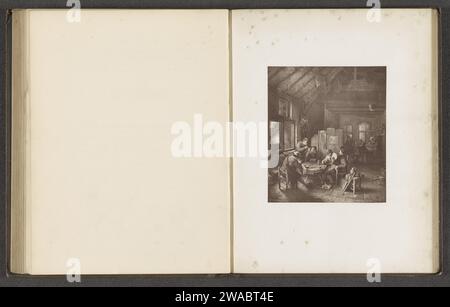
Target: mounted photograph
[[331, 134]]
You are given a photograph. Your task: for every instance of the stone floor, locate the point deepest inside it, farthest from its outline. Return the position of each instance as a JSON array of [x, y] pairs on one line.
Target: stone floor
[[373, 190]]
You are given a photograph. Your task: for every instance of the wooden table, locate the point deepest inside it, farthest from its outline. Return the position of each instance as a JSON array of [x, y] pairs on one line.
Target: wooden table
[[313, 169]]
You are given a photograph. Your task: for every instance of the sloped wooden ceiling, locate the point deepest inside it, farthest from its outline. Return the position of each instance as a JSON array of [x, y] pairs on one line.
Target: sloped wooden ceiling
[[302, 82], [335, 85]]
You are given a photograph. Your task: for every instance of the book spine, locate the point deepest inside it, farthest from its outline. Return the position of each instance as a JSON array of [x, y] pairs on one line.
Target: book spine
[[20, 219], [436, 141]]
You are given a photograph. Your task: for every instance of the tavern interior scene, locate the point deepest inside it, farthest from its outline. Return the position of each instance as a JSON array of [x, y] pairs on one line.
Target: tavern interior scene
[[329, 125]]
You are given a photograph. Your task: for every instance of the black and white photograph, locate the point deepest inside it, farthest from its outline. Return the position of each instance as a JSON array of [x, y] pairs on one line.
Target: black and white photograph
[[329, 125]]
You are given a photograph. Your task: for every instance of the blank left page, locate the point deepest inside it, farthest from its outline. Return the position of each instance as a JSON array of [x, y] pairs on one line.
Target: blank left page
[[105, 187]]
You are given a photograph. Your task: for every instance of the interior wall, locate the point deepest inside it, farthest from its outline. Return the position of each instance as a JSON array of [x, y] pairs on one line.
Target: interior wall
[[375, 122], [331, 120], [273, 112], [315, 117]]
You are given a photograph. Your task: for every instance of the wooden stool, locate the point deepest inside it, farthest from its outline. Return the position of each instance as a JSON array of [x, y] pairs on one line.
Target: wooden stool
[[356, 183]]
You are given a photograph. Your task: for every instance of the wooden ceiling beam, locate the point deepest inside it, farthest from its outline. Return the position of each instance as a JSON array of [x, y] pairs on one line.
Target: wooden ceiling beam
[[305, 86], [333, 74], [276, 74], [313, 77], [287, 77], [272, 71], [302, 76], [325, 71], [310, 104], [328, 79], [315, 91]]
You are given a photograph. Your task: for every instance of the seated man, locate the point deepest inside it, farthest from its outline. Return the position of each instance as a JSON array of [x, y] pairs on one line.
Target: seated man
[[341, 161], [312, 155], [329, 160]]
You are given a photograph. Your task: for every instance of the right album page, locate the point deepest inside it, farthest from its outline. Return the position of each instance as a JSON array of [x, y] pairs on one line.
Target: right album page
[[338, 159]]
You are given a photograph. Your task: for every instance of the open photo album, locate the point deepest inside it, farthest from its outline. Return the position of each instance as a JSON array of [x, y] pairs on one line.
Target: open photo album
[[224, 141]]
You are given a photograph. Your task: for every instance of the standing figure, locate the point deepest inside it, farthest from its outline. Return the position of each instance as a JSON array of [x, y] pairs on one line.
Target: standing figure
[[292, 166], [372, 148], [360, 151], [348, 148], [302, 148]]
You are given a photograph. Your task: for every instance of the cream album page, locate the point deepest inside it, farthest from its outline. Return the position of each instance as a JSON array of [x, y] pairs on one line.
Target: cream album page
[[105, 188], [349, 98]]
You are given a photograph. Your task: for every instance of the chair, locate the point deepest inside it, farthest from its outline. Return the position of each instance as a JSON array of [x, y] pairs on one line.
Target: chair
[[353, 182], [340, 171], [283, 177], [282, 174], [356, 184]]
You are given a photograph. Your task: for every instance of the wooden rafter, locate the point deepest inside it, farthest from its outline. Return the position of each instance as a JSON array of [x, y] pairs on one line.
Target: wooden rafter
[[313, 77], [307, 70], [287, 77], [310, 104], [333, 74], [316, 94], [276, 74], [325, 72], [272, 71], [306, 84]]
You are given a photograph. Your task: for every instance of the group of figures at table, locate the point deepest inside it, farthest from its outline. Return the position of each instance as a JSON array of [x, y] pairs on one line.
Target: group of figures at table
[[305, 162], [361, 151]]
